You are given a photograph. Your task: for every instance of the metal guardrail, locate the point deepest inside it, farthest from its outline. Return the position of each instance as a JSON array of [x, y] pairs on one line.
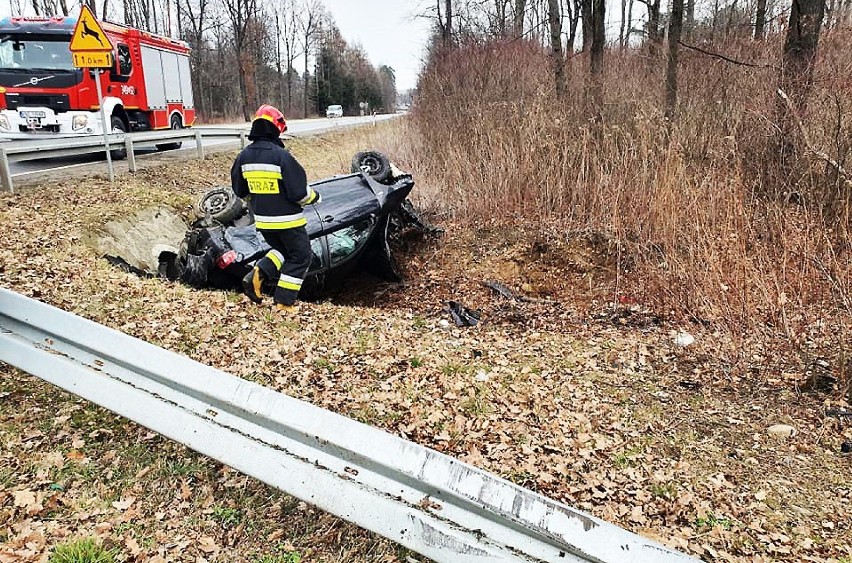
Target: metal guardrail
[[431, 503], [52, 147]]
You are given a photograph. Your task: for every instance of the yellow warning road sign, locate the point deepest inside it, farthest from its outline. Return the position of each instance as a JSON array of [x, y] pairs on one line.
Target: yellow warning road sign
[[88, 34], [92, 59]]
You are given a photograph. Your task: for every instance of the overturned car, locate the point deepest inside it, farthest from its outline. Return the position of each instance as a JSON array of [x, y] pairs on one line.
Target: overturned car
[[348, 229]]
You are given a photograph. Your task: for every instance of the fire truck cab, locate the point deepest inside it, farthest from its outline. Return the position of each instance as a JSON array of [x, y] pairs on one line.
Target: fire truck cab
[[41, 93]]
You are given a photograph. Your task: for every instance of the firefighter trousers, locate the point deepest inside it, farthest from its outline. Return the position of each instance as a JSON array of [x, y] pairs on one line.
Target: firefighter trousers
[[288, 261]]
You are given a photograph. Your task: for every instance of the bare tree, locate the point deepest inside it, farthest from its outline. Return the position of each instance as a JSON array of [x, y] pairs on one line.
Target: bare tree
[[596, 56], [500, 8], [689, 16], [287, 21], [760, 20], [675, 31], [518, 21], [555, 20], [448, 22], [196, 15], [141, 14], [93, 6], [240, 14], [797, 68], [572, 11], [800, 50], [312, 14], [586, 11]]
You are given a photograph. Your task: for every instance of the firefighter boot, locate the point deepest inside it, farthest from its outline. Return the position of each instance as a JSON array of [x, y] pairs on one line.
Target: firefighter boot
[[289, 309], [252, 284]]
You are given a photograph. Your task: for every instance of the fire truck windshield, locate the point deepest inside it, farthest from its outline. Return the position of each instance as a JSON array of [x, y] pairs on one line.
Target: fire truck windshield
[[27, 53]]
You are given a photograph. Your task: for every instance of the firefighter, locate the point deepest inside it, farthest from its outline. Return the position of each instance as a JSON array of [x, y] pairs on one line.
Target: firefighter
[[277, 189]]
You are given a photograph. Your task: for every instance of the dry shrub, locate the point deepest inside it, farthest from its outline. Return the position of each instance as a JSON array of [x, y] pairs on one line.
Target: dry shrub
[[691, 206]]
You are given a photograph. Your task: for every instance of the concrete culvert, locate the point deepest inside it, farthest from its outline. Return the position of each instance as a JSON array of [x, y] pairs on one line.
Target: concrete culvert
[[139, 240]]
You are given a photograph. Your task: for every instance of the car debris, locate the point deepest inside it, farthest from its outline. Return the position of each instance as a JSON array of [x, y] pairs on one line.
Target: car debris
[[463, 316]]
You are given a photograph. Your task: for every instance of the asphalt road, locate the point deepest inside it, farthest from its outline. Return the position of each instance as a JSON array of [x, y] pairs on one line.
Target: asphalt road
[[296, 128]]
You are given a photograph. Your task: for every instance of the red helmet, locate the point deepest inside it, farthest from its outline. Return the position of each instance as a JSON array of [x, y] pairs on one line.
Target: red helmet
[[272, 114]]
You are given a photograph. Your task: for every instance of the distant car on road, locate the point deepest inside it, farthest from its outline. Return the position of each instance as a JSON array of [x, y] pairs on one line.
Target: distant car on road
[[334, 111]]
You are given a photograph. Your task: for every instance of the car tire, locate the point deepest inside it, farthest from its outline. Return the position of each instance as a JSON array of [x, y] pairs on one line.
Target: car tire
[[372, 163], [221, 204], [174, 124], [118, 126]]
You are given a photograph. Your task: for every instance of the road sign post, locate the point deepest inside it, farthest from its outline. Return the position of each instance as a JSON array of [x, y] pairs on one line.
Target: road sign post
[[104, 124], [91, 49]]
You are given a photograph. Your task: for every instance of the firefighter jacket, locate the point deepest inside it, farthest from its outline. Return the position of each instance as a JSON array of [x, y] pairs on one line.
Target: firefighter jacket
[[276, 183]]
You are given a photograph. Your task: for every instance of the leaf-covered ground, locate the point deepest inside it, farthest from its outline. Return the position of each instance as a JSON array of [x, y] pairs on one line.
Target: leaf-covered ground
[[560, 393]]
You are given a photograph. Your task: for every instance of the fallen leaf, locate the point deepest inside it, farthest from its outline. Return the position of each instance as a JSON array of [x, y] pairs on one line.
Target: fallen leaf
[[123, 504], [133, 546], [207, 544]]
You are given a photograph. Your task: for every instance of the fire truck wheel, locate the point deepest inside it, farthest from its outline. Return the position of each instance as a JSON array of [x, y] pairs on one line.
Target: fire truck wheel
[[118, 127], [175, 124]]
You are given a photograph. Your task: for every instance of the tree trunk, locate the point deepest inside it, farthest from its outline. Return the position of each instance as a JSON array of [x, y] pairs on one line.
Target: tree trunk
[[596, 58], [307, 38], [760, 20], [731, 12], [280, 76], [573, 21], [555, 20], [629, 23], [654, 26], [586, 14], [800, 49], [243, 86], [520, 10], [448, 22], [621, 28], [690, 16], [796, 79], [500, 7], [675, 31]]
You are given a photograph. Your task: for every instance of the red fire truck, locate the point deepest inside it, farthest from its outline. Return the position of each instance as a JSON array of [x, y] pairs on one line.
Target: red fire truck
[[41, 93]]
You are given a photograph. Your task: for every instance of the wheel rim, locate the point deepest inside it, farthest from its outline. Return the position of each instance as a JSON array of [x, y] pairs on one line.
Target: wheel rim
[[215, 203], [370, 165]]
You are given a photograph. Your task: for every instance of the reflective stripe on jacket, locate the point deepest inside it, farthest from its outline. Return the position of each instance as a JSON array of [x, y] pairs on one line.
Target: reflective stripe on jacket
[[276, 183]]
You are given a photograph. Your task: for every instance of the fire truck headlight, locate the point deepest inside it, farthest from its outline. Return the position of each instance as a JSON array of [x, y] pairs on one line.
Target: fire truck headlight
[[4, 123], [79, 122]]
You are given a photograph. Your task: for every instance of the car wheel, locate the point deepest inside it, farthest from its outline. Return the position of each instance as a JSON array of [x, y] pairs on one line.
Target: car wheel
[[372, 163], [175, 124], [221, 204], [118, 127]]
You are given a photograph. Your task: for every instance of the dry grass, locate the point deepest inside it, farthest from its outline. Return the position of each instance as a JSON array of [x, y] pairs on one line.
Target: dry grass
[[705, 233]]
